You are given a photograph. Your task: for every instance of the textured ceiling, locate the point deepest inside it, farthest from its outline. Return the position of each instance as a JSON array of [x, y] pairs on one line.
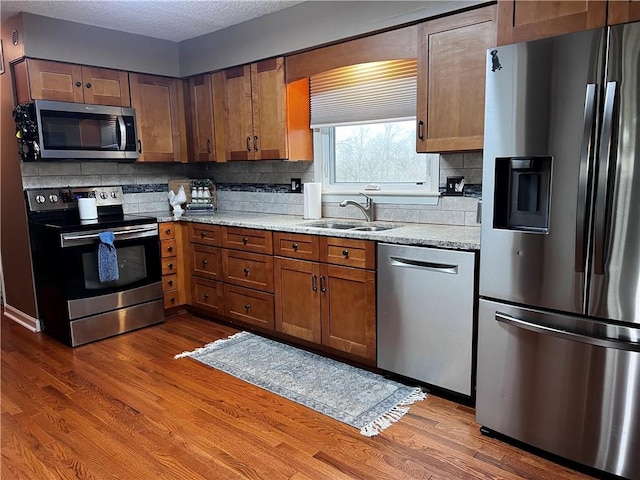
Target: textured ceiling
[[174, 20]]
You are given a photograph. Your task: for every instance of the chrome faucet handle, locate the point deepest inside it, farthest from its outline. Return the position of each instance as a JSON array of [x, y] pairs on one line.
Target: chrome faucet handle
[[369, 199]]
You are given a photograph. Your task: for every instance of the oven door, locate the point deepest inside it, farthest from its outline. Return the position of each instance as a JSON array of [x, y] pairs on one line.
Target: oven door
[[138, 259]]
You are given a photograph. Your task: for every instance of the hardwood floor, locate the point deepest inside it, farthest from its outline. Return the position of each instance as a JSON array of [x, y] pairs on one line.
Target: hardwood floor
[[123, 408]]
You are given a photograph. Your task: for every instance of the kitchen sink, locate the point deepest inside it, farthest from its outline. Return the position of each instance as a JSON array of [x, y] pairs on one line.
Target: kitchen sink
[[358, 227]]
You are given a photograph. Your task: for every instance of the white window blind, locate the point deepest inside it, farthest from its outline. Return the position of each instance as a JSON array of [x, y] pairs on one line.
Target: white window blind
[[367, 92]]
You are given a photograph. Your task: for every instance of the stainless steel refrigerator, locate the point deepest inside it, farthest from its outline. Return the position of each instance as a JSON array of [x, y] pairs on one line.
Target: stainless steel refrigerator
[[559, 312]]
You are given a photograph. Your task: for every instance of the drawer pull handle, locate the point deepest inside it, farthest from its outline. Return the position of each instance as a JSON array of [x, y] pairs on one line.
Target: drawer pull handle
[[204, 262], [209, 146], [247, 306], [88, 85], [167, 231], [314, 283], [345, 253], [245, 240], [170, 283], [246, 271], [172, 300], [323, 287], [206, 296], [295, 247], [170, 266], [78, 84], [203, 234], [248, 144], [169, 249]]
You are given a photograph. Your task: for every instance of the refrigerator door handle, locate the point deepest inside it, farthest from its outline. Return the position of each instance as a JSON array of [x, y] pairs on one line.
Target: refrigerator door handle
[[567, 335], [604, 165], [586, 153]]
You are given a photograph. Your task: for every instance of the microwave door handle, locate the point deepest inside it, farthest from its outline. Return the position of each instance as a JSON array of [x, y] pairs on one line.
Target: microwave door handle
[[122, 134], [602, 185], [586, 153]]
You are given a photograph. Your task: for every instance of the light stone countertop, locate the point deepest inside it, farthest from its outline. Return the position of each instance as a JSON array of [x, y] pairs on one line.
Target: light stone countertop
[[454, 237]]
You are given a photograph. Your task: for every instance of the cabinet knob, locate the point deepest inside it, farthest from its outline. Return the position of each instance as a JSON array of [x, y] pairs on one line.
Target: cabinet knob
[[172, 300], [170, 283], [206, 295], [203, 234], [294, 246], [245, 240], [88, 85], [345, 253], [247, 306], [169, 249], [78, 84], [246, 271], [170, 266], [204, 262], [167, 231]]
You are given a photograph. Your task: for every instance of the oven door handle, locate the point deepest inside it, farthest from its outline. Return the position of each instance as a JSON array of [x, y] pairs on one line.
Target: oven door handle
[[70, 240]]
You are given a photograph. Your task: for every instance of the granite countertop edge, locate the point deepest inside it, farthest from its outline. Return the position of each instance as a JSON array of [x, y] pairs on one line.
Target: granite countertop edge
[[455, 237]]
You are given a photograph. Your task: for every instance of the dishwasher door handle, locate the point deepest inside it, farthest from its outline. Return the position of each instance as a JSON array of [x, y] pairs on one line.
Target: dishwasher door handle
[[431, 266]]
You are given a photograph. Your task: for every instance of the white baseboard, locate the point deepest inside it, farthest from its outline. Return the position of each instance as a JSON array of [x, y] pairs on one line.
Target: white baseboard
[[22, 318]]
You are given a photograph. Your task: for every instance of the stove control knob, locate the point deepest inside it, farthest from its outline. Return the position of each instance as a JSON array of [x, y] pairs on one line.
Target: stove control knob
[[103, 195], [114, 194], [53, 198], [40, 199]]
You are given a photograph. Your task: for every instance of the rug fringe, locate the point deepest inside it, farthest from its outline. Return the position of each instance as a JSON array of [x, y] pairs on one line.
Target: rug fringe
[[209, 345], [392, 416]]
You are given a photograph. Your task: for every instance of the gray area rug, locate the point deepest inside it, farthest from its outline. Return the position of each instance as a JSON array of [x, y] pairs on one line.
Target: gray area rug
[[357, 397]]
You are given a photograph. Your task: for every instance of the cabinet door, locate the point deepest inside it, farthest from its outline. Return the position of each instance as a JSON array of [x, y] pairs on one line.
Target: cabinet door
[[349, 310], [159, 105], [524, 20], [269, 97], [451, 81], [297, 299], [623, 11], [103, 86], [202, 126], [50, 81], [237, 124]]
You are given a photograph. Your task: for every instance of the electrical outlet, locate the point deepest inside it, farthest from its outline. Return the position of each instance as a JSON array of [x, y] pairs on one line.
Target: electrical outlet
[[296, 185]]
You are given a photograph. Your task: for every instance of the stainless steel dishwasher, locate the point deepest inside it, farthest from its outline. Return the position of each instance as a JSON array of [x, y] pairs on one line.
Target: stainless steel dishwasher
[[426, 302]]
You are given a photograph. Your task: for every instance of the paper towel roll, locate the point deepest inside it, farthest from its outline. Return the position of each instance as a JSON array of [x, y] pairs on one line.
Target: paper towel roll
[[87, 208], [313, 200]]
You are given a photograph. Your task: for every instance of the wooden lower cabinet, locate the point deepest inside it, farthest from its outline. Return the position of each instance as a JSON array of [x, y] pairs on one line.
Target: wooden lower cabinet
[[297, 287], [207, 295], [248, 306], [327, 304], [173, 274]]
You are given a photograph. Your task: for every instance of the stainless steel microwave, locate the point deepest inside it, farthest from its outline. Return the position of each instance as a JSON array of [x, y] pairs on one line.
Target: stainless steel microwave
[[50, 130]]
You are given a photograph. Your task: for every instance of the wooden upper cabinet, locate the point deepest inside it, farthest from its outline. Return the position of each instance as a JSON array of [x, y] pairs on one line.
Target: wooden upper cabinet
[[262, 117], [159, 105], [202, 118], [67, 82], [451, 80], [623, 11], [524, 20]]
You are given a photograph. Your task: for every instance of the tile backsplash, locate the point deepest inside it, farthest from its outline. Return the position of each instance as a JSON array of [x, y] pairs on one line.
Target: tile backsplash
[[250, 186]]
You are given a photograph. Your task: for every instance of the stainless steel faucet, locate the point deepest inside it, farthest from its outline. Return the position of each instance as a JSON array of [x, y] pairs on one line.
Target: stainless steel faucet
[[366, 209]]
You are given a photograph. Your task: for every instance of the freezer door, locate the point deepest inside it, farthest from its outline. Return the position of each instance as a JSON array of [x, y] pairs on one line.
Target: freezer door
[[615, 281], [567, 385], [540, 121]]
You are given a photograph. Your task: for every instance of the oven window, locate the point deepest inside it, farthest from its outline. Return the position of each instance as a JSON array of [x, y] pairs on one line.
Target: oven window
[[132, 266]]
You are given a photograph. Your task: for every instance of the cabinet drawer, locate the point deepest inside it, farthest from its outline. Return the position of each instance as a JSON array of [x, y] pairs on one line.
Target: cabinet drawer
[[296, 245], [171, 299], [249, 306], [206, 262], [169, 266], [204, 234], [169, 282], [167, 231], [348, 252], [168, 248], [248, 239], [208, 295], [248, 269]]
